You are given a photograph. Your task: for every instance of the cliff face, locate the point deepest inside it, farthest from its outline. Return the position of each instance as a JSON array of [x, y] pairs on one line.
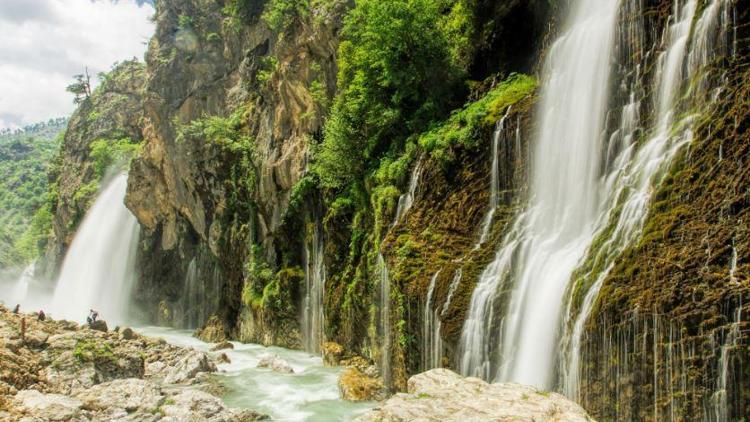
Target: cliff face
[[112, 116], [198, 199]]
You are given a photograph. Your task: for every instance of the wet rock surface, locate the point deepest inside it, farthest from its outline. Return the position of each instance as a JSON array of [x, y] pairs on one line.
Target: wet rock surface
[[58, 371], [276, 364], [443, 395]]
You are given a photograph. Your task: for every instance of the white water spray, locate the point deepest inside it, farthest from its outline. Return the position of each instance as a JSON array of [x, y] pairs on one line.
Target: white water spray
[[406, 200], [385, 320], [432, 344], [315, 278], [551, 236], [98, 271], [494, 181]]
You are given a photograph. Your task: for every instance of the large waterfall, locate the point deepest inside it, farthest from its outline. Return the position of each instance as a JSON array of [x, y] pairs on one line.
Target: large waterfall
[[98, 271], [590, 180]]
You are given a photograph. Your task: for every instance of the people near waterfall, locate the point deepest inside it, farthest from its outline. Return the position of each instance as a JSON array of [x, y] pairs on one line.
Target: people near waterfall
[[93, 315], [41, 316], [17, 309]]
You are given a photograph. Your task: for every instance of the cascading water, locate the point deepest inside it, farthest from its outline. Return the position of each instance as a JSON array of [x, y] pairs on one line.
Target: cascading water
[[585, 185], [315, 278], [98, 270], [20, 289], [406, 200], [549, 238], [494, 180], [432, 344], [633, 180], [385, 320], [719, 405], [191, 305]]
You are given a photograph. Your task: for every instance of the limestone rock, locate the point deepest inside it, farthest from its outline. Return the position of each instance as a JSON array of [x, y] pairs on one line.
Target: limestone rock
[[332, 353], [47, 407], [355, 385], [213, 331], [443, 395], [36, 339], [276, 364], [130, 395], [222, 346], [128, 334], [188, 367], [99, 325]]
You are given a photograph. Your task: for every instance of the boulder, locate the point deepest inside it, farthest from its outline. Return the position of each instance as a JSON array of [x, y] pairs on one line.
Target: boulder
[[222, 346], [332, 353], [128, 334], [129, 395], [188, 367], [36, 339], [47, 407], [99, 325], [275, 364], [443, 395], [356, 386], [213, 331]]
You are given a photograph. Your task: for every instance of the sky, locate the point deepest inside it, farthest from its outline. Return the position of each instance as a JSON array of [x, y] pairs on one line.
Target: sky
[[45, 42]]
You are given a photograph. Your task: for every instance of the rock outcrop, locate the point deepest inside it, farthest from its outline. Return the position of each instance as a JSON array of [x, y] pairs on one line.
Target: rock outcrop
[[443, 395], [80, 374], [276, 364]]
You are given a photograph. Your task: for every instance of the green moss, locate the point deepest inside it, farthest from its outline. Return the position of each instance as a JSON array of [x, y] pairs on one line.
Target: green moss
[[87, 350], [463, 125]]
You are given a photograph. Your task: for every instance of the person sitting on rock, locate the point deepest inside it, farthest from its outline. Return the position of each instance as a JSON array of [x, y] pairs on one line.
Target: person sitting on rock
[[41, 316], [93, 315], [17, 309]]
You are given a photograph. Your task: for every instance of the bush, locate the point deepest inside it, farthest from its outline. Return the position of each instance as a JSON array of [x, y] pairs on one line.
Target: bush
[[397, 73]]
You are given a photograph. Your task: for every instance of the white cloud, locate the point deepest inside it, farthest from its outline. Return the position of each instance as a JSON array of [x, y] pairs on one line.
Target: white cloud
[[45, 42]]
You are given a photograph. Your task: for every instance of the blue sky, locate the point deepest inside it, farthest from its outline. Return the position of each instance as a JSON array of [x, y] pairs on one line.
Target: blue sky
[[45, 42]]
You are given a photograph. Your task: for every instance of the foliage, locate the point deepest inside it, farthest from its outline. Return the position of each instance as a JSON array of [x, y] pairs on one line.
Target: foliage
[[461, 128], [279, 14], [81, 88], [397, 74], [106, 153], [25, 207]]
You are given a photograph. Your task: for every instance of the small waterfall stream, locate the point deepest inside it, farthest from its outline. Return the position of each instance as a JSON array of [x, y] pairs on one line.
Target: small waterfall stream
[[98, 270], [385, 320], [497, 136], [315, 278], [20, 289], [432, 344]]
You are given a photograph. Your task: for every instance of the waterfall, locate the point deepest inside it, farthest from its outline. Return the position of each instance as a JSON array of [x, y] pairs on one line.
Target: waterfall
[[406, 200], [315, 278], [634, 180], [191, 296], [551, 235], [731, 343], [19, 290], [385, 320], [98, 270], [432, 344], [586, 185], [494, 180]]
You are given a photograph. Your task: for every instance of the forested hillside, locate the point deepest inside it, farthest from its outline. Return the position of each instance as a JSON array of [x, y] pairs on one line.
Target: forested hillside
[[26, 156]]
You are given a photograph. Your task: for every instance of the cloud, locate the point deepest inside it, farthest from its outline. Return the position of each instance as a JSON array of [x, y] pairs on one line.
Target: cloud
[[46, 42]]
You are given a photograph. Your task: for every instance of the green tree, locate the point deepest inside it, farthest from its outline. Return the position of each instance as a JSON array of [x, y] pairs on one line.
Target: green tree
[[397, 74]]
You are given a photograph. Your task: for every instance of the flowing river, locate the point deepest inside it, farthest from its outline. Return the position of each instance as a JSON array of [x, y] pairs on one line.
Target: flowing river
[[309, 394]]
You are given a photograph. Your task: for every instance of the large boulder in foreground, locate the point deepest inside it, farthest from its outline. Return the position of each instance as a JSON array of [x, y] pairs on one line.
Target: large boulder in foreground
[[443, 395]]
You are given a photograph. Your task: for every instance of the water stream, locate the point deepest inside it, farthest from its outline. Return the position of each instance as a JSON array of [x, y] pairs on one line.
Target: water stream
[[309, 394], [432, 343]]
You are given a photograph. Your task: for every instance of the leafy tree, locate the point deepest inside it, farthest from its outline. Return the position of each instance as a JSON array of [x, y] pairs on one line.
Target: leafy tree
[[81, 88], [397, 74]]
